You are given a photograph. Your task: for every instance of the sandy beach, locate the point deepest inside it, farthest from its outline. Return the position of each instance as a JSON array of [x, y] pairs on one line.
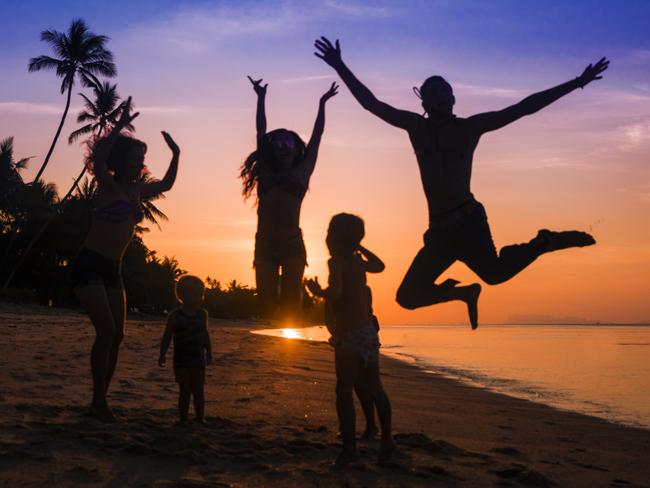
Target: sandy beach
[[272, 421]]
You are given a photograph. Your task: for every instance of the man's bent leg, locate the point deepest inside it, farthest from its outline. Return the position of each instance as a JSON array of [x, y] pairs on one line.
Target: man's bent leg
[[477, 251]]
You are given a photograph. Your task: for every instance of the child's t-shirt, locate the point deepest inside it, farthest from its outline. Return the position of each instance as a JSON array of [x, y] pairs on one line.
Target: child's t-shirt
[[189, 339]]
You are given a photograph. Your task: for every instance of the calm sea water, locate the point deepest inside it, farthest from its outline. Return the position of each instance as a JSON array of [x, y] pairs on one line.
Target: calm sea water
[[599, 370]]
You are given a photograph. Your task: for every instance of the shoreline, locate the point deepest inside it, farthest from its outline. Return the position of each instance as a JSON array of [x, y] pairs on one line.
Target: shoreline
[[514, 388], [272, 420]]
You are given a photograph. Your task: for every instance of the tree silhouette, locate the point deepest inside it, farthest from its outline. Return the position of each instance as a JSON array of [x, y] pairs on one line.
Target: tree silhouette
[[11, 182], [99, 113], [79, 52]]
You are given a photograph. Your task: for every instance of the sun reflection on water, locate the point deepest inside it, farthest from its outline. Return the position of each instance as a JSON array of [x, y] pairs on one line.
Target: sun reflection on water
[[291, 333]]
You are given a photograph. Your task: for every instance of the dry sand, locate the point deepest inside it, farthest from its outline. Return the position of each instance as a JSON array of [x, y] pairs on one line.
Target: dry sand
[[272, 421]]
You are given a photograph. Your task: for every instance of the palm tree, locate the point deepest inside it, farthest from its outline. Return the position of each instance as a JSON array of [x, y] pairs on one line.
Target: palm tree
[[10, 180], [151, 213], [80, 52], [12, 194], [100, 114]]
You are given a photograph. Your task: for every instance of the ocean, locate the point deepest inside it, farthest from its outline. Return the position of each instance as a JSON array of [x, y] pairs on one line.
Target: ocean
[[599, 370]]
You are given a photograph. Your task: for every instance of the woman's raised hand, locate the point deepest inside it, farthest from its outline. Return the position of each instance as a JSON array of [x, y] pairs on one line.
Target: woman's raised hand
[[258, 87], [593, 71], [171, 143], [334, 90], [329, 53]]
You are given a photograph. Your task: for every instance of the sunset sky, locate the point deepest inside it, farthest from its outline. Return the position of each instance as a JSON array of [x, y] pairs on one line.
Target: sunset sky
[[581, 163]]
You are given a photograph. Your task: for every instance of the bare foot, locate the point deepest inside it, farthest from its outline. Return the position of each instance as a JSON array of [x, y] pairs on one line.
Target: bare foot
[[101, 413], [554, 241], [386, 452], [470, 297]]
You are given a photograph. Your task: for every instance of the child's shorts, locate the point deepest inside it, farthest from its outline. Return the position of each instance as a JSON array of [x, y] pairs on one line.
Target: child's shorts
[[190, 376]]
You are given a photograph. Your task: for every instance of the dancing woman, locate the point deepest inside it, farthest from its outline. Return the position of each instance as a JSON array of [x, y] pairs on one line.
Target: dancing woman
[[117, 163], [280, 170]]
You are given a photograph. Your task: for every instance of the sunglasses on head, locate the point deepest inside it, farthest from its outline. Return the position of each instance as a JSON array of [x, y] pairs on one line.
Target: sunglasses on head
[[281, 142]]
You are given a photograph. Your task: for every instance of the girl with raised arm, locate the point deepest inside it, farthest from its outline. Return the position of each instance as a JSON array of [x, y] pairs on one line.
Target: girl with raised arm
[[117, 163], [279, 170]]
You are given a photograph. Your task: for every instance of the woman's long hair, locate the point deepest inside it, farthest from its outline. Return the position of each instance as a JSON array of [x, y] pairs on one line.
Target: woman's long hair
[[264, 155], [117, 155]]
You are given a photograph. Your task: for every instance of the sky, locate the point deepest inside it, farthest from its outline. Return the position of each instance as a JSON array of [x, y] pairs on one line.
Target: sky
[[581, 163]]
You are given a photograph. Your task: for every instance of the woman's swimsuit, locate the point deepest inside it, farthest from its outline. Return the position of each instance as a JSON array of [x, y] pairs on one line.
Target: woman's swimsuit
[[119, 211], [267, 248], [92, 268]]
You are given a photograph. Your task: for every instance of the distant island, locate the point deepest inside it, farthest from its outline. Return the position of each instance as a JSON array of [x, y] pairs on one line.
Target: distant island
[[541, 319]]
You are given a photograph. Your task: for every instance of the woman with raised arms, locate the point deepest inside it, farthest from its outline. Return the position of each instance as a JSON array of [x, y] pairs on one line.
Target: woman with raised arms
[[117, 162], [279, 170]]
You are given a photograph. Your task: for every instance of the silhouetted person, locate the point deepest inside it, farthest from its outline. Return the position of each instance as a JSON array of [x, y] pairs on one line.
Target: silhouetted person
[[363, 391], [458, 228], [355, 338], [360, 388], [280, 169], [117, 163], [188, 326]]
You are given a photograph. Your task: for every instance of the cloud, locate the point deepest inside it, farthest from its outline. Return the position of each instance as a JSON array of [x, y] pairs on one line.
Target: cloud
[[631, 137], [356, 9], [52, 109], [638, 57], [638, 133], [34, 108], [196, 29], [172, 109], [488, 91], [305, 79]]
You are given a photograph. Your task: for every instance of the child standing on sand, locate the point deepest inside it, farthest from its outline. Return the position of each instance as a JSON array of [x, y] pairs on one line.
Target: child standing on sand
[[355, 338], [188, 325]]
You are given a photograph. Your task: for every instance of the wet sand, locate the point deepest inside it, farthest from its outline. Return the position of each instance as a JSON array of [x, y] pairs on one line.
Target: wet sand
[[272, 421]]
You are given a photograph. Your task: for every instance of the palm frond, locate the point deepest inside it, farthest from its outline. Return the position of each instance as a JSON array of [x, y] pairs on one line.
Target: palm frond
[[43, 62], [105, 68], [22, 163], [80, 132]]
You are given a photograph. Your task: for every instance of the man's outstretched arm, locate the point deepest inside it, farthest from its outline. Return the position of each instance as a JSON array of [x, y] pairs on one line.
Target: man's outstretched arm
[[495, 120], [331, 54]]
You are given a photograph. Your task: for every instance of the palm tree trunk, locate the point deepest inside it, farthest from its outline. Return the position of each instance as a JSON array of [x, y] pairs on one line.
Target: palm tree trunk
[[56, 136], [74, 186], [38, 235]]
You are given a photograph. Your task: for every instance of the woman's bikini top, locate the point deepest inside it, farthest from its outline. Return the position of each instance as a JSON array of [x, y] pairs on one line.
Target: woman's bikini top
[[288, 183], [119, 211]]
